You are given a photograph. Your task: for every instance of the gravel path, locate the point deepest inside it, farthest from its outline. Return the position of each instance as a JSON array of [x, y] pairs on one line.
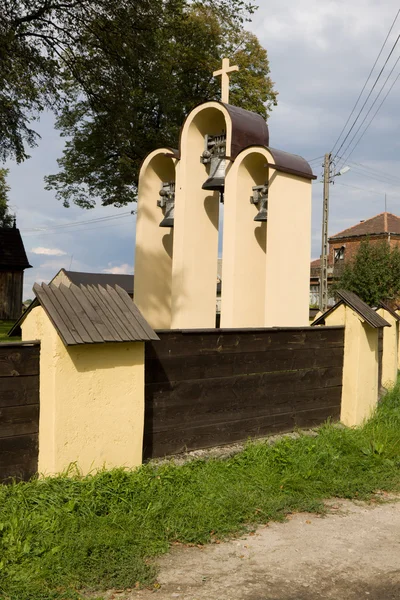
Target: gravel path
[[352, 553]]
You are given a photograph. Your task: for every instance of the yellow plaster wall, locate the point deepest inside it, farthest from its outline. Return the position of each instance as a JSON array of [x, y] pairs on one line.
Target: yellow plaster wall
[[287, 280], [91, 401], [244, 244], [195, 249], [153, 255], [390, 348], [360, 369], [398, 344]]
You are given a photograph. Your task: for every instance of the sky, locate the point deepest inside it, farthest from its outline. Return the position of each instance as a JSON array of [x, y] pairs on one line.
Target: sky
[[320, 54]]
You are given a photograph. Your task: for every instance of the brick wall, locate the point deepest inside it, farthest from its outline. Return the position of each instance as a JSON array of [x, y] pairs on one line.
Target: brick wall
[[352, 245]]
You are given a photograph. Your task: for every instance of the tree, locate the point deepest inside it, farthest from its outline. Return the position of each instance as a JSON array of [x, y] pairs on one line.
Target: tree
[[373, 274], [122, 75], [6, 220]]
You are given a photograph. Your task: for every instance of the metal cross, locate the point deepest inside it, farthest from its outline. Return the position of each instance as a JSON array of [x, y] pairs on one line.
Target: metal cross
[[224, 72]]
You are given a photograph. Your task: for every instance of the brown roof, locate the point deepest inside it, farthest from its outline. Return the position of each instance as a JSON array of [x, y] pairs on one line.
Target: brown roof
[[12, 251], [359, 306], [103, 279], [380, 224], [93, 314], [389, 310]]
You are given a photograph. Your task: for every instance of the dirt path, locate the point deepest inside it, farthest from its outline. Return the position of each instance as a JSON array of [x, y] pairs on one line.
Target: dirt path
[[353, 553]]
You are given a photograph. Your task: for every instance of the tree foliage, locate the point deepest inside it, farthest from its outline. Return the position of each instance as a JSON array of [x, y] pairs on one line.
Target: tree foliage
[[122, 75], [373, 274], [6, 220]]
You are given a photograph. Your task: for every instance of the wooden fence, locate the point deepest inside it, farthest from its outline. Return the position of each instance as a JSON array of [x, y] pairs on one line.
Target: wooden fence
[[19, 409], [206, 387]]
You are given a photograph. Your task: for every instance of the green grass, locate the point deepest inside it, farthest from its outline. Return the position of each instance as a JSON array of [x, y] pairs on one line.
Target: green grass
[[5, 326], [62, 537]]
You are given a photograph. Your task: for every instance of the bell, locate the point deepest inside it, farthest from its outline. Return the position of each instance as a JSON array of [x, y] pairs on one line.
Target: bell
[[167, 202], [216, 180], [214, 155], [260, 197]]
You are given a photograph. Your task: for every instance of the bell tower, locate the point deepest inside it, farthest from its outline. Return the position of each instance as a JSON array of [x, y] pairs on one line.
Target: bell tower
[[224, 156]]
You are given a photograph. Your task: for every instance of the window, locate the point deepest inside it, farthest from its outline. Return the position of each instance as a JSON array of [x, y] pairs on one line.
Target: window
[[338, 253]]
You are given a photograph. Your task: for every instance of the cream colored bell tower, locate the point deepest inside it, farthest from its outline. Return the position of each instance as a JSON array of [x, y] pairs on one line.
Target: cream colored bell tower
[[224, 157]]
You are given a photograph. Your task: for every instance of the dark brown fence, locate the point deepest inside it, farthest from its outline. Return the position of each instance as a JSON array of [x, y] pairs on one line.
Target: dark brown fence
[[206, 388], [19, 409]]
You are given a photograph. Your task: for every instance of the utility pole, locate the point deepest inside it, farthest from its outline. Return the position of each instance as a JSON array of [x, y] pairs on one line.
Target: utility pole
[[323, 287]]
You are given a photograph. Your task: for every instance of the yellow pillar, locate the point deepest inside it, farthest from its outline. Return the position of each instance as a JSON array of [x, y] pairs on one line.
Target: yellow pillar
[[390, 348], [287, 283], [244, 244], [195, 248], [153, 255], [91, 401], [360, 368]]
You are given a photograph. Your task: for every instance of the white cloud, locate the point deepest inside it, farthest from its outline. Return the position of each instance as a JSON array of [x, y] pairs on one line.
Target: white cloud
[[48, 251], [124, 269]]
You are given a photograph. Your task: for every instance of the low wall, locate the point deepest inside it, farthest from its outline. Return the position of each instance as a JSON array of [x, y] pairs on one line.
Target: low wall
[[206, 387], [19, 409]]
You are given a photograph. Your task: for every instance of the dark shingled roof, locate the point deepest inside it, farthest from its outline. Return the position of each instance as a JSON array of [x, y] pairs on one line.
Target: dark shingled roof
[[103, 279], [359, 306], [93, 314], [381, 224], [389, 309], [12, 251]]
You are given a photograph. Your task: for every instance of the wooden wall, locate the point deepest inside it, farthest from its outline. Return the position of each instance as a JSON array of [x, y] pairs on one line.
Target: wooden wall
[[19, 409], [11, 283], [208, 388]]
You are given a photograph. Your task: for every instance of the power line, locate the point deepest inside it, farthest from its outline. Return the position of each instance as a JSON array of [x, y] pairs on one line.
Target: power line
[[366, 82], [72, 224], [363, 169], [370, 190], [369, 95], [375, 177], [310, 160], [371, 107], [72, 231], [373, 117]]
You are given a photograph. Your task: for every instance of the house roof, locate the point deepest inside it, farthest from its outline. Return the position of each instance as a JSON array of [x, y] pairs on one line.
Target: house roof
[[383, 223], [103, 279], [359, 306], [12, 251], [93, 314]]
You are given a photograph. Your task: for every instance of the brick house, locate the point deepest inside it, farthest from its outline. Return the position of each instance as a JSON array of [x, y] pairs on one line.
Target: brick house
[[344, 245]]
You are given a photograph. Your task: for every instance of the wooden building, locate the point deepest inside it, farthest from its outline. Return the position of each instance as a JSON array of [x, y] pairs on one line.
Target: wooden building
[[13, 262]]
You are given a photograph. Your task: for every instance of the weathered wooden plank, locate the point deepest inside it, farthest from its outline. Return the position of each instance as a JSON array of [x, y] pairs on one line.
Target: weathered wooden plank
[[10, 295], [127, 315], [80, 314], [211, 410], [76, 326], [19, 360], [18, 457], [148, 331], [19, 420], [206, 436], [85, 299], [51, 310], [181, 344], [113, 313], [275, 383], [103, 314], [19, 391], [178, 368]]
